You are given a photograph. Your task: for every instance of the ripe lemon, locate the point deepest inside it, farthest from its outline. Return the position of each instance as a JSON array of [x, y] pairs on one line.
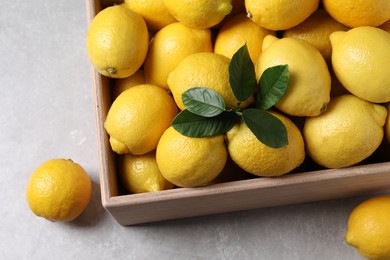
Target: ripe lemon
[[348, 132], [155, 13], [369, 228], [316, 30], [354, 13], [140, 173], [199, 13], [138, 117], [255, 157], [279, 15], [170, 46], [203, 69], [59, 190], [308, 91], [235, 32], [360, 60], [189, 162], [110, 43], [121, 85]]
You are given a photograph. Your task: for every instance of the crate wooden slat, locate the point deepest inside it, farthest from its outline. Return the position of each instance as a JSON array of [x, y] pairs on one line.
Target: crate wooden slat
[[225, 197]]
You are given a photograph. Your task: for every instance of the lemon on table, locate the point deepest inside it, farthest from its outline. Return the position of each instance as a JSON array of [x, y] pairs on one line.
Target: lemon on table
[[138, 78], [279, 15], [155, 13], [59, 190], [138, 117], [308, 91], [369, 228], [188, 161], [354, 13], [348, 132], [140, 173], [360, 60], [255, 157], [235, 32], [199, 13], [111, 47], [203, 69], [171, 45]]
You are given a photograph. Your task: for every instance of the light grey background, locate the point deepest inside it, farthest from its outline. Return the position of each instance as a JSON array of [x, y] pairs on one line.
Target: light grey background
[[47, 111]]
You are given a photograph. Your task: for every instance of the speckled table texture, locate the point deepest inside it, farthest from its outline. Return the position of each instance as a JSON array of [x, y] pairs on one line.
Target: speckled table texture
[[47, 111]]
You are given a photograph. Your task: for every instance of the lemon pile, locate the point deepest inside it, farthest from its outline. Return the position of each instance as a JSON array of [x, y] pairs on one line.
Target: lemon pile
[[157, 50]]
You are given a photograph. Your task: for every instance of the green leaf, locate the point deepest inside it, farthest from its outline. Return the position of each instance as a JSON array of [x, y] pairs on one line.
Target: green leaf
[[203, 102], [273, 85], [242, 75], [193, 125], [267, 128]]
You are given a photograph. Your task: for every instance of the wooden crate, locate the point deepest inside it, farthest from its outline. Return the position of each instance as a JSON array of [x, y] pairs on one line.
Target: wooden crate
[[312, 184]]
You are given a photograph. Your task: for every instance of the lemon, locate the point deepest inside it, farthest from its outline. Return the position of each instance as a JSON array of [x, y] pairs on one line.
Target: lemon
[[387, 125], [235, 32], [138, 117], [256, 158], [360, 60], [385, 26], [203, 69], [59, 190], [316, 30], [190, 162], [199, 13], [121, 85], [369, 228], [348, 132], [354, 13], [170, 46], [140, 173], [111, 47], [308, 90], [155, 13], [279, 15]]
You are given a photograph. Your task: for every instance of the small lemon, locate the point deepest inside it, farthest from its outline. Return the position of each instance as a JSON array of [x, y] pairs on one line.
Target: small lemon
[[121, 85], [203, 69], [190, 162], [138, 117], [279, 15], [140, 173], [255, 157], [170, 46], [59, 190], [110, 43], [348, 132], [316, 30], [235, 32], [308, 90], [360, 60], [354, 13], [199, 13], [155, 13], [369, 228]]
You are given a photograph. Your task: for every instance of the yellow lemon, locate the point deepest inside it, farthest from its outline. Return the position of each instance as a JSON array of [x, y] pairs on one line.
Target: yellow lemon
[[59, 190], [199, 13], [279, 15], [360, 60], [354, 13], [235, 32], [255, 157], [385, 26], [369, 228], [203, 69], [138, 117], [308, 90], [348, 132], [121, 85], [170, 46], [316, 30], [140, 173], [111, 47], [155, 13], [189, 162]]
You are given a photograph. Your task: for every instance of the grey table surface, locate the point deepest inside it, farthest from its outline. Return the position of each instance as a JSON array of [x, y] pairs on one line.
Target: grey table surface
[[47, 111]]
